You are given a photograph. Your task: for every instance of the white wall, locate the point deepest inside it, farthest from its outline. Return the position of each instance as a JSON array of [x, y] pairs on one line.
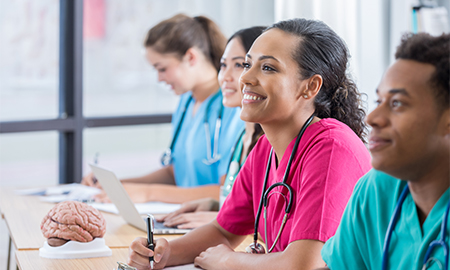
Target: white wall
[[364, 26]]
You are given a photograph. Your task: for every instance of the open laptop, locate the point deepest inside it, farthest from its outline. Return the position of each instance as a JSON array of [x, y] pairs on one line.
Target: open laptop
[[119, 197]]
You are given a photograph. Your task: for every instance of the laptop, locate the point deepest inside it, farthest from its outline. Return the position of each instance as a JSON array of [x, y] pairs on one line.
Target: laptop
[[119, 197]]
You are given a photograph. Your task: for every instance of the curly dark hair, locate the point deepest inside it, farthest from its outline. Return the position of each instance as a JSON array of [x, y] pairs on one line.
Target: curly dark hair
[[432, 50], [321, 51]]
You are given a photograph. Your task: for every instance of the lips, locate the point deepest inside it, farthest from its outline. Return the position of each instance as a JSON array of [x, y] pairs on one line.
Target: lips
[[377, 143], [229, 91]]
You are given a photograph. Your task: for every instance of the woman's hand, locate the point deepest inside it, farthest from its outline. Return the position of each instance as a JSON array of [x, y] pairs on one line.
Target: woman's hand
[[139, 253], [214, 257], [90, 181], [191, 220]]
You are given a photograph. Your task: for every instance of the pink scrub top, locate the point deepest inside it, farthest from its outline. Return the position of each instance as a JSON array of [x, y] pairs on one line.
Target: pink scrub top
[[329, 161]]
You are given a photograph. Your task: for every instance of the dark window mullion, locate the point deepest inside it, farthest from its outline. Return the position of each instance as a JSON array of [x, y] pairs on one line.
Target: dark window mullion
[[70, 89]]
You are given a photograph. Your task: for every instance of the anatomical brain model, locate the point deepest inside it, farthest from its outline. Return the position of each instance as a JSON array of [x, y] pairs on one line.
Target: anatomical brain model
[[72, 220]]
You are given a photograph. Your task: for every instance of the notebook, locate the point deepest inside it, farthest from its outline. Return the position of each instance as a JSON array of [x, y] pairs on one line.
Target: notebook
[[119, 197]]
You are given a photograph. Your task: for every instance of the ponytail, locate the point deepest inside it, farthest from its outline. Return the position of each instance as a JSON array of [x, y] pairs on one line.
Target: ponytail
[[216, 40], [180, 33]]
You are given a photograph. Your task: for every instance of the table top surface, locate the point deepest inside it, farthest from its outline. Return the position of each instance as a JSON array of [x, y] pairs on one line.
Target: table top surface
[[29, 259], [23, 216]]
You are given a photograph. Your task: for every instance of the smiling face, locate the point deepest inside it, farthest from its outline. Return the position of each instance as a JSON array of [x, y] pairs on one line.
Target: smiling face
[[409, 133], [230, 70], [271, 79], [171, 70]]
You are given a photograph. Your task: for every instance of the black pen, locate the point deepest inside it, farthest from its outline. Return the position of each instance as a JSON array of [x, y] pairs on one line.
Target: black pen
[[151, 245]]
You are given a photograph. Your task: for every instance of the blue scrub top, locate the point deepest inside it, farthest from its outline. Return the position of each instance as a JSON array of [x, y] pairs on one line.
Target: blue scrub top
[[190, 147]]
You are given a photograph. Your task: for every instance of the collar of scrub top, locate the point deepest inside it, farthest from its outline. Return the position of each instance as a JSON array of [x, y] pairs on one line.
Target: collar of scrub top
[[434, 244], [166, 158], [255, 247]]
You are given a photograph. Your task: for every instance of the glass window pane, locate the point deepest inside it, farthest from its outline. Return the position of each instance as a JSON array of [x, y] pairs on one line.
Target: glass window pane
[[128, 151], [29, 32], [29, 159], [116, 77]]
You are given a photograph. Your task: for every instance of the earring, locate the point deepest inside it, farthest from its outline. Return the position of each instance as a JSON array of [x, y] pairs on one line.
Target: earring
[[305, 96]]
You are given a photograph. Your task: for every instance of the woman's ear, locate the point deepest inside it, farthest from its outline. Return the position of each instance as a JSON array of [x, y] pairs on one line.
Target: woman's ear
[[191, 56], [311, 86]]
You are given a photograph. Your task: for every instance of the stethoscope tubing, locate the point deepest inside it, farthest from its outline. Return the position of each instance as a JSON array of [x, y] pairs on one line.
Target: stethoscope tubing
[[440, 242], [212, 154], [432, 245], [264, 195]]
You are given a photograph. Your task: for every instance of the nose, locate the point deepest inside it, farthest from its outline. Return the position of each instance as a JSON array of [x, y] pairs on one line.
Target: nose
[[378, 118], [227, 74], [160, 77], [248, 77]]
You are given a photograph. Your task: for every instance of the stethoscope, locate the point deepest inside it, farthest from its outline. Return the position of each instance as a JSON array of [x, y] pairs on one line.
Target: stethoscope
[[166, 158], [432, 245], [255, 247]]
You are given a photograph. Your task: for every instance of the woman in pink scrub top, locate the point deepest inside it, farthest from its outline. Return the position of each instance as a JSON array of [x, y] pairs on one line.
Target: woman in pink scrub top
[[294, 79]]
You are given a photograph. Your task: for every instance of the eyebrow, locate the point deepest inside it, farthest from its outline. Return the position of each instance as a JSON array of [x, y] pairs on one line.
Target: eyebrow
[[394, 91], [234, 58], [263, 57]]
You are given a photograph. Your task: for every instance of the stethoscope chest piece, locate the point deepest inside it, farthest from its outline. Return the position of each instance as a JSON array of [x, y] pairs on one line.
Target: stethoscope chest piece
[[255, 248], [166, 158]]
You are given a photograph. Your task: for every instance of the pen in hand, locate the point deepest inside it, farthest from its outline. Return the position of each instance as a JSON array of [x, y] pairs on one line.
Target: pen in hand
[[151, 245], [94, 180]]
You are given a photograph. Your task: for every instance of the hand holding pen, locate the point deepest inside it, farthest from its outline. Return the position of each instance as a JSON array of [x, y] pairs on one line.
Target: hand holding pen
[[94, 180], [90, 180], [150, 240]]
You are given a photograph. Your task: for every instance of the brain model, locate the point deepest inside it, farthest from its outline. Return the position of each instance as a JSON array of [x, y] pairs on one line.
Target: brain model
[[72, 220]]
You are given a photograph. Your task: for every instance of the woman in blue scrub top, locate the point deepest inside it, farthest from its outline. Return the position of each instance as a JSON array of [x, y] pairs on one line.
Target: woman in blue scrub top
[[197, 213], [186, 53]]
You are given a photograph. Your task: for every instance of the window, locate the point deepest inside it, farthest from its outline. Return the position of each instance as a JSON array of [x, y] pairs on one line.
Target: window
[[74, 81]]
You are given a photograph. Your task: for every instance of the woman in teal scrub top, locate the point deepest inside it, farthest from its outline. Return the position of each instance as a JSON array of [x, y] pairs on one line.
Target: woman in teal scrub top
[[186, 53], [199, 212]]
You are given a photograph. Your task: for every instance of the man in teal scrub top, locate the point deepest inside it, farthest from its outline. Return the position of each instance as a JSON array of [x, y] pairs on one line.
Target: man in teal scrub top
[[410, 140]]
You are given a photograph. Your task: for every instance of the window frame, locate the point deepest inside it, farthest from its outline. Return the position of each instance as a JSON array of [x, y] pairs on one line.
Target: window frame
[[71, 122]]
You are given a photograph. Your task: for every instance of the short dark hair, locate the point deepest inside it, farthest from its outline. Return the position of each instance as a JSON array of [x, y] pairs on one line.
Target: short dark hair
[[321, 51], [434, 50]]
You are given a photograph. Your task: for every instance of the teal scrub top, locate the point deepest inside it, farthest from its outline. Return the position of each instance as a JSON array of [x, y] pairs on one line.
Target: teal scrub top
[[358, 242], [189, 150]]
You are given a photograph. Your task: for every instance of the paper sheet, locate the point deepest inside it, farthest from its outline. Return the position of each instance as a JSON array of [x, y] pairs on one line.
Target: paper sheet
[[70, 192], [143, 208]]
